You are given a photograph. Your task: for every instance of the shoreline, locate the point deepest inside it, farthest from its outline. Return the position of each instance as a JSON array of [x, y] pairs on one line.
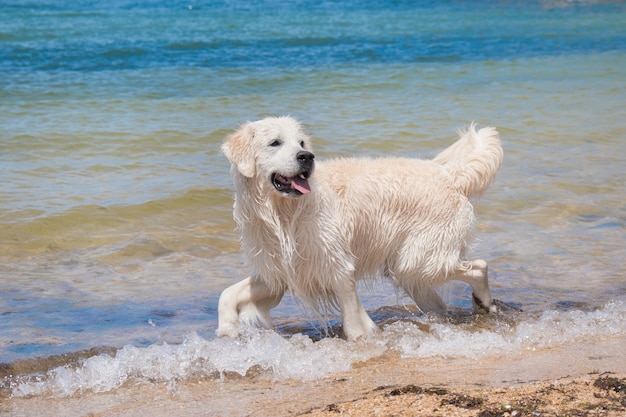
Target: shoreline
[[559, 381], [589, 395]]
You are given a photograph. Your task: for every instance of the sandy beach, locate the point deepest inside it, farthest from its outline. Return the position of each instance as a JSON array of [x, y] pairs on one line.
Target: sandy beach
[[583, 396], [576, 380]]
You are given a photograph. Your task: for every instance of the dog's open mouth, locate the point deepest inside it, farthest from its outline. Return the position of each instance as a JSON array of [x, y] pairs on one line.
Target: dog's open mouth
[[296, 186]]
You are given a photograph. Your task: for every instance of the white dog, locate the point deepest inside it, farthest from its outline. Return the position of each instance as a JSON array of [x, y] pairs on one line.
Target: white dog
[[315, 228]]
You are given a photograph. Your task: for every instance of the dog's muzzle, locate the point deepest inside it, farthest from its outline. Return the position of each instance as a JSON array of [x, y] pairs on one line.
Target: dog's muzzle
[[296, 185]]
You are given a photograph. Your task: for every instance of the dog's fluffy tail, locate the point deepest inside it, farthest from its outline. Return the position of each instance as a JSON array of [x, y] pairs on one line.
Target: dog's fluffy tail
[[473, 160]]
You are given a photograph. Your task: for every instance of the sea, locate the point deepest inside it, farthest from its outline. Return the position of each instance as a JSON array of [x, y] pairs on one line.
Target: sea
[[116, 229]]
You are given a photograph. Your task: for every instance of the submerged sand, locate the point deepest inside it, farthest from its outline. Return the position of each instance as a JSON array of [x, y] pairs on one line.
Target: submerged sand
[[575, 380]]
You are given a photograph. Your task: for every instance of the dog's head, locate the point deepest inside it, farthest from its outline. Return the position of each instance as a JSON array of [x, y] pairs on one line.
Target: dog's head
[[274, 150]]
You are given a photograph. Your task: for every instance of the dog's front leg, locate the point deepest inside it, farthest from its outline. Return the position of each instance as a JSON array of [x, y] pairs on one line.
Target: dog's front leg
[[247, 302], [356, 321]]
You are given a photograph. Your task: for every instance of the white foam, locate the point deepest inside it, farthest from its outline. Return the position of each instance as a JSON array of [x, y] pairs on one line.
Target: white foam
[[447, 341], [555, 328], [299, 358], [552, 328]]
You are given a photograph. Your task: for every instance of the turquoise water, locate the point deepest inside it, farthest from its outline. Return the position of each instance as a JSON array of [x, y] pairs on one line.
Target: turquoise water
[[115, 204]]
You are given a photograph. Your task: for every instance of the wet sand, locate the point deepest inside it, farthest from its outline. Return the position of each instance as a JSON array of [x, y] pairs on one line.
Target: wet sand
[[585, 379]]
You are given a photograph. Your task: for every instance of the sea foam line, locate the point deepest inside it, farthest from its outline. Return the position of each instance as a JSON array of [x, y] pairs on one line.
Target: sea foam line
[[299, 358]]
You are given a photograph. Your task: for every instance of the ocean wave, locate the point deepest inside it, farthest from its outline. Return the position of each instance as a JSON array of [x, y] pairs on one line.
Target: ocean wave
[[91, 226], [300, 358]]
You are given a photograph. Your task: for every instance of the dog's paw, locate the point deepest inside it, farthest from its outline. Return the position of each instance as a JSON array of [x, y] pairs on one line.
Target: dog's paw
[[481, 308], [496, 307], [230, 330], [505, 308]]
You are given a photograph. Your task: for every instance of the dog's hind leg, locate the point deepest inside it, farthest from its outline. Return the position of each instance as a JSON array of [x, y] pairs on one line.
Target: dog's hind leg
[[247, 302], [428, 299], [476, 276], [423, 294]]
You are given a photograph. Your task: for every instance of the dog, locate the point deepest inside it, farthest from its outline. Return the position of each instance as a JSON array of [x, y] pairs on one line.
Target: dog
[[315, 228]]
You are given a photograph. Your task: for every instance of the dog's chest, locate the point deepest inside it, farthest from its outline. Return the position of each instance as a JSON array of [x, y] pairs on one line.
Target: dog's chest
[[297, 252]]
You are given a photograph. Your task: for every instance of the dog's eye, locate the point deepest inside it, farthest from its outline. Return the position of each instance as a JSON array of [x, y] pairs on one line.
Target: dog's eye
[[302, 144], [275, 143]]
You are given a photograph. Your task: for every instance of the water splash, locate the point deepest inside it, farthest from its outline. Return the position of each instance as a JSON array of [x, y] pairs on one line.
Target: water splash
[[300, 358]]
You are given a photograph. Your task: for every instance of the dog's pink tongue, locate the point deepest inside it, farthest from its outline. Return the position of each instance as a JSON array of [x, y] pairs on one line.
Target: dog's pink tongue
[[300, 185]]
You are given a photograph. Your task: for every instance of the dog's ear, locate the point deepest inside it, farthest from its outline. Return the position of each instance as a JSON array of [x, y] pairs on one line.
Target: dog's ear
[[238, 150]]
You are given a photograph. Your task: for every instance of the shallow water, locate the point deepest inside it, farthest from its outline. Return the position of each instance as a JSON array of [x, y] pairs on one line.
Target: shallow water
[[115, 206]]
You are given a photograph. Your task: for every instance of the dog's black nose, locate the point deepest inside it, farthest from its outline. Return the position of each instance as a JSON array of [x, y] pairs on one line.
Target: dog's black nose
[[305, 157]]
